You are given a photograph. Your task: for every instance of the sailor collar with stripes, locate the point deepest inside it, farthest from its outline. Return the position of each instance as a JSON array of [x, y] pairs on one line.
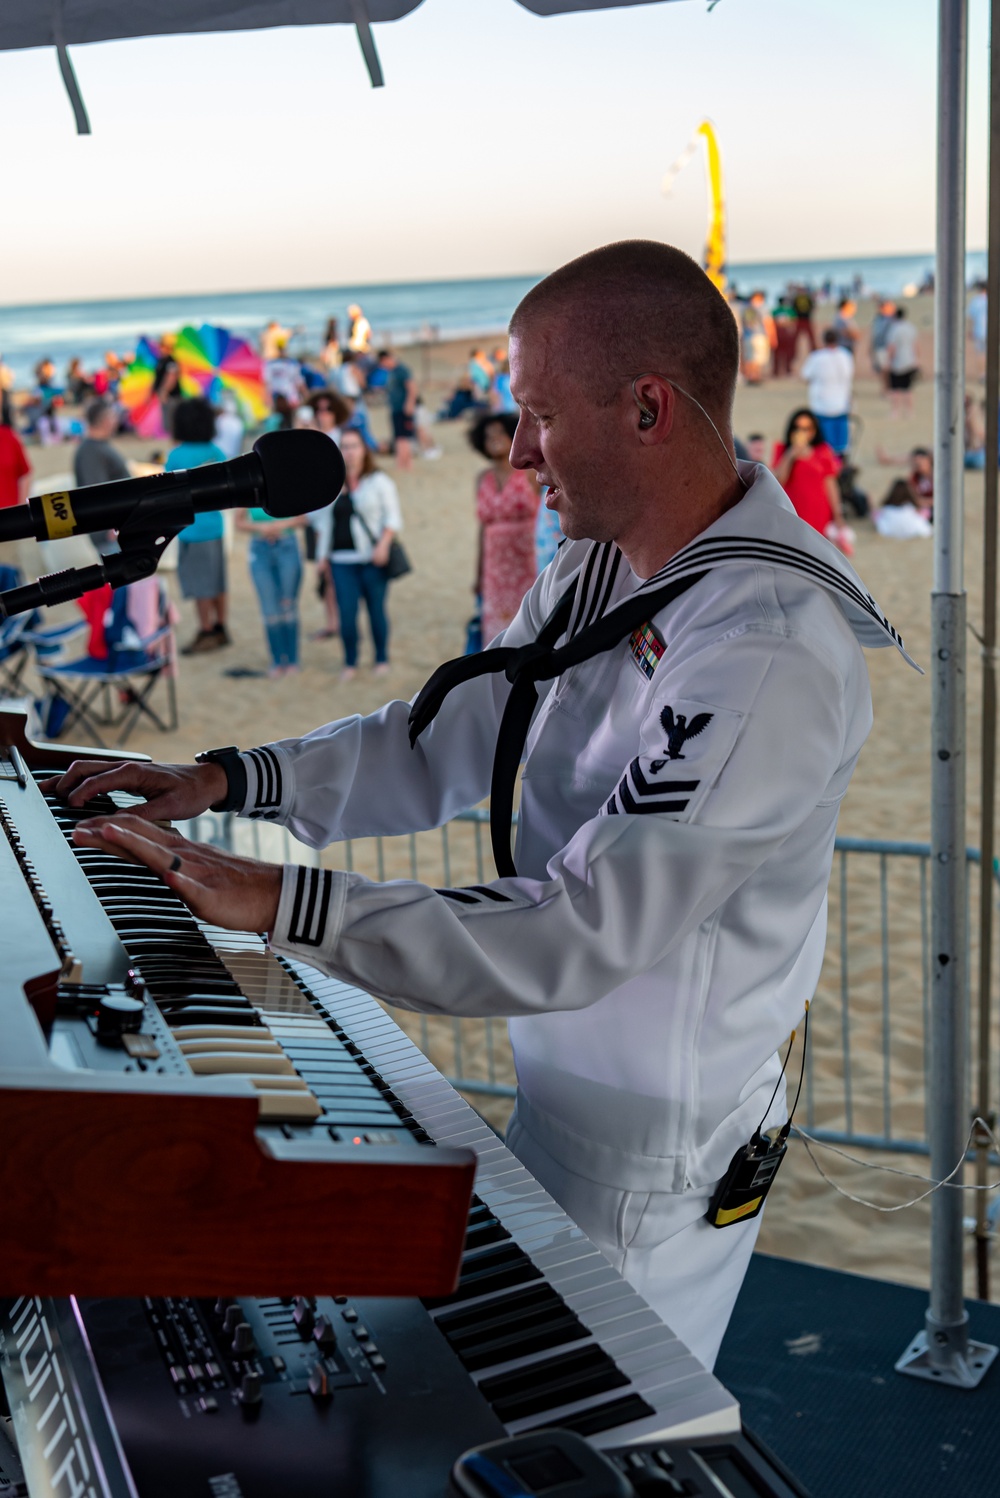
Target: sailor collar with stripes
[[763, 527]]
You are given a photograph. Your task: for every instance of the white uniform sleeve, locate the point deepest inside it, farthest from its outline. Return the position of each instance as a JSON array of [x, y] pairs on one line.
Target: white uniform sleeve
[[358, 777], [742, 740]]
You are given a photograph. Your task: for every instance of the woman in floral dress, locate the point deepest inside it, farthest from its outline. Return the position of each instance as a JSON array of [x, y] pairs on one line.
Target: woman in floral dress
[[507, 503]]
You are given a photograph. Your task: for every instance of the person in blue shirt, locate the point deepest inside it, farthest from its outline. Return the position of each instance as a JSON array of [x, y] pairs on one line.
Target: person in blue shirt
[[201, 563]]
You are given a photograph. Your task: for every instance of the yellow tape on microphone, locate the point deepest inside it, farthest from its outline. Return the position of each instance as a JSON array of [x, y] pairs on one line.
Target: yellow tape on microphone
[[57, 512]]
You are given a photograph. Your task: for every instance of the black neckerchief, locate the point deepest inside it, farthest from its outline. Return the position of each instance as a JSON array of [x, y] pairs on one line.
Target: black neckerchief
[[524, 665]]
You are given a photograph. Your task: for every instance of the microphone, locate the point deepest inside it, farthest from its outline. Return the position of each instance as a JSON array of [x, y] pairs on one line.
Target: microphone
[[286, 474]]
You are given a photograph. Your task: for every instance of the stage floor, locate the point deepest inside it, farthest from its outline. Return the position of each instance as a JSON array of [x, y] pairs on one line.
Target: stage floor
[[810, 1353]]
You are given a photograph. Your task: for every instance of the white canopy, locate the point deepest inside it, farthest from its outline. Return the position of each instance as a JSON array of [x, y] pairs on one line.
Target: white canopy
[[35, 23], [63, 23]]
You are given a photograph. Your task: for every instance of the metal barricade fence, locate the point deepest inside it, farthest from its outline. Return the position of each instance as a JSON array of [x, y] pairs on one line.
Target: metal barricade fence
[[866, 1065]]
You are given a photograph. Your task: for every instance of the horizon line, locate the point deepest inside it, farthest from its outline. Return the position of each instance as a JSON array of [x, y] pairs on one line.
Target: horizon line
[[442, 281]]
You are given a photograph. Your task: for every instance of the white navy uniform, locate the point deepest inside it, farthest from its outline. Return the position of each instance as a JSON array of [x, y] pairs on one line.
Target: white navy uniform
[[667, 923]]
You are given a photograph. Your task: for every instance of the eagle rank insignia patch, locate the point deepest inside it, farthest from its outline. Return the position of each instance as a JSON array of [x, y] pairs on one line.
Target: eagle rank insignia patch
[[647, 646]]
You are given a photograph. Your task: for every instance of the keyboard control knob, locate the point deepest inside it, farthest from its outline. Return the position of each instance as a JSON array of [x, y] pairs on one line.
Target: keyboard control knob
[[243, 1340], [118, 1015], [232, 1317], [250, 1388], [319, 1383], [304, 1315], [324, 1334]]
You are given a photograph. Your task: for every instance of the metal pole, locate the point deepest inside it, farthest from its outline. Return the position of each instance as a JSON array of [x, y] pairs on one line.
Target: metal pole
[[988, 738], [942, 1351]]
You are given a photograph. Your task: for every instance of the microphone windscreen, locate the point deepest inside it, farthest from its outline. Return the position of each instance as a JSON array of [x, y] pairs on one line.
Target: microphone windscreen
[[303, 471]]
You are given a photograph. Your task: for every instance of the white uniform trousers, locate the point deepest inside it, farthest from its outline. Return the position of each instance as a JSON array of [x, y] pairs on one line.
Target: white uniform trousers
[[660, 1241]]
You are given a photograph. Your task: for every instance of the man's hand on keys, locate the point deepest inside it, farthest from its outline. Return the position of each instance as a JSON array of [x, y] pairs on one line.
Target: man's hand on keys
[[225, 889], [172, 792]]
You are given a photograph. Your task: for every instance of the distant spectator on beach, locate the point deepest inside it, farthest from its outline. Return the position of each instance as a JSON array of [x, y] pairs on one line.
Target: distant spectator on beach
[[845, 326], [806, 467], [229, 427], [167, 388], [480, 372], [273, 340], [79, 385], [276, 572], [423, 423], [977, 316], [401, 394], [785, 334], [283, 376], [330, 413], [96, 461], [359, 337], [885, 316], [108, 377], [920, 477], [507, 501], [974, 436], [548, 533], [201, 563], [330, 357], [46, 380], [500, 396], [803, 304], [15, 481], [357, 420], [314, 376], [282, 415], [899, 518], [347, 379], [901, 347], [758, 338], [461, 400], [757, 448], [829, 373], [366, 517]]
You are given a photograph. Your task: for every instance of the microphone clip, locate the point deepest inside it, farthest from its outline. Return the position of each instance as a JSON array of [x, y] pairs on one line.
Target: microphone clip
[[141, 546]]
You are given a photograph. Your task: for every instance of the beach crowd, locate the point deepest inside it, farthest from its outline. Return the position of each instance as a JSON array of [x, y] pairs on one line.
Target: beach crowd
[[353, 546]]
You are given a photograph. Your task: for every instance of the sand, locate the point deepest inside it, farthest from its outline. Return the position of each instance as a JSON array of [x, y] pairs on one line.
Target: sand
[[888, 798]]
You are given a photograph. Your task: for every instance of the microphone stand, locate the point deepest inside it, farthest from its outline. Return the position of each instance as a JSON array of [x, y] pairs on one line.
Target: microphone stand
[[143, 539]]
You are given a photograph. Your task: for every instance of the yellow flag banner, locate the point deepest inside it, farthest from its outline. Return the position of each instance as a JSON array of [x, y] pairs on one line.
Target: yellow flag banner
[[715, 240], [714, 259]]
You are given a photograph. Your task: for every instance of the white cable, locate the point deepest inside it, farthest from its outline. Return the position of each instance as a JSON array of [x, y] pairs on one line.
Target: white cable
[[688, 396], [912, 1175]]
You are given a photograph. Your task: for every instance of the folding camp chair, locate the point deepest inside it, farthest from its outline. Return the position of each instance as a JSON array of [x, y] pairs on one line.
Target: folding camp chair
[[13, 647], [13, 656], [114, 693]]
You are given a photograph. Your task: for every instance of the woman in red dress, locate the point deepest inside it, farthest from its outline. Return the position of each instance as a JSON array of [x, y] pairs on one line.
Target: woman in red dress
[[507, 503], [806, 468]]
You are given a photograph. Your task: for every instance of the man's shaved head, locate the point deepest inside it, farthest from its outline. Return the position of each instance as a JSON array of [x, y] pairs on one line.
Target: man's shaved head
[[639, 307]]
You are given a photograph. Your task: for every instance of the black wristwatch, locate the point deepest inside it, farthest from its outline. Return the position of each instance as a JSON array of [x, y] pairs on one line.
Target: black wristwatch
[[236, 776]]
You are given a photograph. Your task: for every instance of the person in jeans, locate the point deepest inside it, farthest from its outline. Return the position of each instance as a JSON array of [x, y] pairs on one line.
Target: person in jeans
[[97, 462], [366, 516], [201, 558], [276, 570]]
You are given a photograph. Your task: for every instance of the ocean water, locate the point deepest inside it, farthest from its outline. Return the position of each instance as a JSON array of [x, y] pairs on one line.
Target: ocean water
[[403, 312]]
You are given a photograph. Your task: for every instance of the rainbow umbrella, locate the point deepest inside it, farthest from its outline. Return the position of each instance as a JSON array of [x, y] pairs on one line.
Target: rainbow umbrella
[[213, 361], [136, 391]]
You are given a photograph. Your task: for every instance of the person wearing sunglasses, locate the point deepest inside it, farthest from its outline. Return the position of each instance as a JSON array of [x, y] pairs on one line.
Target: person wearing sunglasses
[[806, 467]]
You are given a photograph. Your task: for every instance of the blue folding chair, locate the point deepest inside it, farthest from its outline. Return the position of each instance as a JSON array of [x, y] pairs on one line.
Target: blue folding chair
[[13, 644], [115, 693]]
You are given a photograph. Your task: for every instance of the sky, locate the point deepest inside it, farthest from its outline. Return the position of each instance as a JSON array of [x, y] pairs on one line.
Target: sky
[[503, 143]]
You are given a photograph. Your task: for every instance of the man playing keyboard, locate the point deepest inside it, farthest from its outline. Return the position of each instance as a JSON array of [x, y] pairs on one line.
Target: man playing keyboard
[[689, 676]]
